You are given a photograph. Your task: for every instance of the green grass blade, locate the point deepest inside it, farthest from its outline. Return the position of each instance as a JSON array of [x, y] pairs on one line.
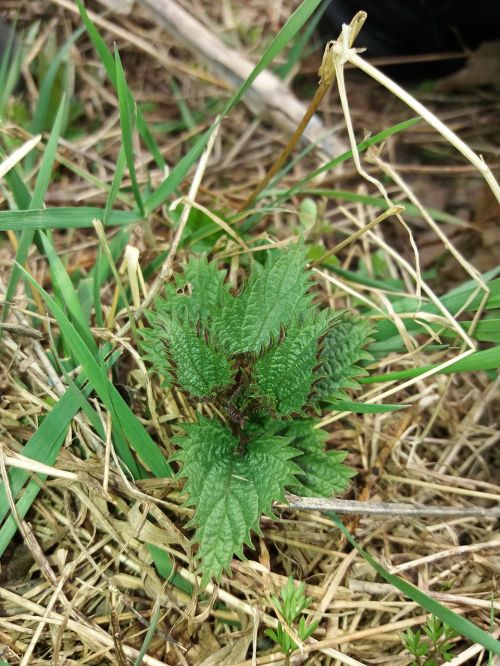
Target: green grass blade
[[10, 68], [109, 65], [153, 622], [69, 296], [97, 275], [41, 185], [379, 202], [22, 196], [460, 624], [287, 32], [96, 288], [282, 196], [487, 330], [166, 570], [363, 407], [121, 415], [45, 172], [337, 161], [486, 359], [23, 505], [298, 47], [116, 246], [99, 44], [468, 295], [187, 119], [126, 107], [62, 218], [40, 122], [44, 445], [121, 163]]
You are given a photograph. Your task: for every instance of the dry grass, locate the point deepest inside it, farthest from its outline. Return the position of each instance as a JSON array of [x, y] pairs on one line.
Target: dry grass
[[77, 585]]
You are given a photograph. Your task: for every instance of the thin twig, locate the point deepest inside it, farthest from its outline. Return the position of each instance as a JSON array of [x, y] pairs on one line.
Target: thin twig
[[353, 507]]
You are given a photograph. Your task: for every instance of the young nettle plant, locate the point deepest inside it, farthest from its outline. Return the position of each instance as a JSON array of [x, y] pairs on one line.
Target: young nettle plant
[[267, 358]]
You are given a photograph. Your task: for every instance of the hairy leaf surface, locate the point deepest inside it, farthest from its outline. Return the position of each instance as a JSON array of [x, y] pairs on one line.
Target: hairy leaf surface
[[154, 346], [342, 351], [196, 294], [229, 488], [323, 473], [186, 358], [284, 373], [199, 369], [272, 297]]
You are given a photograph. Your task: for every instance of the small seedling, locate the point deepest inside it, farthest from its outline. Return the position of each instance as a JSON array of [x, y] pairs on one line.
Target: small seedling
[[267, 358], [432, 649], [290, 606]]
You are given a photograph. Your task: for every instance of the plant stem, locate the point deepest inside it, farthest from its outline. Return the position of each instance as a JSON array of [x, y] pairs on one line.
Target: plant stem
[[327, 77]]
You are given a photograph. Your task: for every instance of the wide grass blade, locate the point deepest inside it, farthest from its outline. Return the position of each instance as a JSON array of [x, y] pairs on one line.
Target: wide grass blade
[[379, 202], [61, 279], [43, 446], [287, 32], [127, 121], [40, 122], [460, 624], [63, 218], [487, 359], [41, 185], [363, 407], [122, 417], [109, 65]]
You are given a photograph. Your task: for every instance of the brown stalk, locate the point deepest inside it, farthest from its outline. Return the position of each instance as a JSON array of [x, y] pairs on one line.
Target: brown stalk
[[327, 76]]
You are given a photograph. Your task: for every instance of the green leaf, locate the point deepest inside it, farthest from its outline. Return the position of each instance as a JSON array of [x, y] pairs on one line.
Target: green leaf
[[127, 122], [61, 218], [230, 488], [61, 279], [273, 296], [110, 67], [364, 407], [287, 32], [41, 121], [186, 358], [323, 473], [486, 359], [205, 287], [460, 624], [284, 374], [37, 198], [196, 294], [124, 420], [342, 351]]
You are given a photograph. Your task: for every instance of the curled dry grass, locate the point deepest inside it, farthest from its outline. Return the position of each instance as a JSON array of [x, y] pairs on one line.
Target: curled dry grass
[[78, 584]]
